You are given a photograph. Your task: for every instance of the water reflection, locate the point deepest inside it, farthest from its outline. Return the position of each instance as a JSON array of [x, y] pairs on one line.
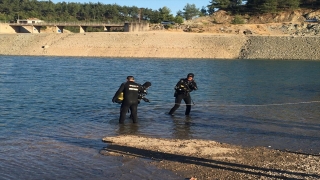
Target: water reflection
[[128, 129], [182, 127]]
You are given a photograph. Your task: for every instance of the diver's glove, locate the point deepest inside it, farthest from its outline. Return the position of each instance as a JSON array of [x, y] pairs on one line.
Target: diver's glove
[[146, 100], [193, 86]]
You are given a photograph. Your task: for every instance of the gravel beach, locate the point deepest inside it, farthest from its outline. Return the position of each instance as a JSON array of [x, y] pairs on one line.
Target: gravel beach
[[204, 159]]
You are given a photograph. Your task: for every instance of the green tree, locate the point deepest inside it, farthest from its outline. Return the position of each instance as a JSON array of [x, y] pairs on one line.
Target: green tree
[[238, 20], [220, 4], [225, 4], [147, 14], [190, 11], [235, 3], [165, 14], [178, 19], [155, 17], [252, 5], [269, 6], [203, 11], [74, 10], [310, 3], [124, 13], [289, 4], [180, 13], [111, 13], [211, 9]]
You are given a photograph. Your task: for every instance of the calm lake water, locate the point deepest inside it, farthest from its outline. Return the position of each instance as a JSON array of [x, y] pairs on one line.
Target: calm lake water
[[54, 111]]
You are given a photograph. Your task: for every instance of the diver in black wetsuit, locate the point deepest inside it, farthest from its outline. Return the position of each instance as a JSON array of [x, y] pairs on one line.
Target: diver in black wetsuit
[[142, 94], [130, 91], [182, 91]]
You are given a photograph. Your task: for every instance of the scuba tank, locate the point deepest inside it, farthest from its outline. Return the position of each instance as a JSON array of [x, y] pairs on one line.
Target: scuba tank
[[182, 87], [119, 98]]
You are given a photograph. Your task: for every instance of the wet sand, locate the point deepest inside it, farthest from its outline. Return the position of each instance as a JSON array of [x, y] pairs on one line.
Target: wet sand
[[204, 159]]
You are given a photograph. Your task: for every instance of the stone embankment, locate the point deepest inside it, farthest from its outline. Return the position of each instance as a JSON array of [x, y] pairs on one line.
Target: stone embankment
[[162, 45], [281, 47]]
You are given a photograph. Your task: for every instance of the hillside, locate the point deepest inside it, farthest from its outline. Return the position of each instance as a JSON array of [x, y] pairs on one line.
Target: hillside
[[284, 23], [213, 37]]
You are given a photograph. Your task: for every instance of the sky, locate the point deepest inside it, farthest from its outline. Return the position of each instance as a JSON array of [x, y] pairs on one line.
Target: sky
[[173, 5]]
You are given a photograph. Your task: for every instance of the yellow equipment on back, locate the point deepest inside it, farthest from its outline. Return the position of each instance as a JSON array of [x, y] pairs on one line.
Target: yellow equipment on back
[[120, 98]]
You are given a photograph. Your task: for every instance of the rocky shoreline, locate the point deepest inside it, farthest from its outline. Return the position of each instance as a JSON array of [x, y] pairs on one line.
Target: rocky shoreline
[[290, 47], [203, 159], [159, 44]]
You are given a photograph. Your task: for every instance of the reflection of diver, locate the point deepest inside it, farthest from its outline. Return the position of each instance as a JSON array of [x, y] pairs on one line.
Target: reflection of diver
[[128, 129], [182, 127], [182, 91]]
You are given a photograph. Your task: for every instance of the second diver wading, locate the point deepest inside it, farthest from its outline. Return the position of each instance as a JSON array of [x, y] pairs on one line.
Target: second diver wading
[[182, 91]]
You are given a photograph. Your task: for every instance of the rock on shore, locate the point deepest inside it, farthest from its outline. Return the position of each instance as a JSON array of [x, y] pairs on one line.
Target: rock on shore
[[161, 45]]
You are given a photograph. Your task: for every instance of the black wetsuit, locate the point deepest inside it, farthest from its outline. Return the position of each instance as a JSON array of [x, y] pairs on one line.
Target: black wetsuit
[[183, 89], [130, 91]]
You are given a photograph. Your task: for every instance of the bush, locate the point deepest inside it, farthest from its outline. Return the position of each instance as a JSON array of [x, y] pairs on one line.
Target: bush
[[238, 20]]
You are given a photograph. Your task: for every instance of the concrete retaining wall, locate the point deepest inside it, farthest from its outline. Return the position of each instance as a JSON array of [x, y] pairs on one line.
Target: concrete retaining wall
[[136, 27], [5, 28]]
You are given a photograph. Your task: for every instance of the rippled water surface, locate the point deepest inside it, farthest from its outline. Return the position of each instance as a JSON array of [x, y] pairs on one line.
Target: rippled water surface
[[54, 111]]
